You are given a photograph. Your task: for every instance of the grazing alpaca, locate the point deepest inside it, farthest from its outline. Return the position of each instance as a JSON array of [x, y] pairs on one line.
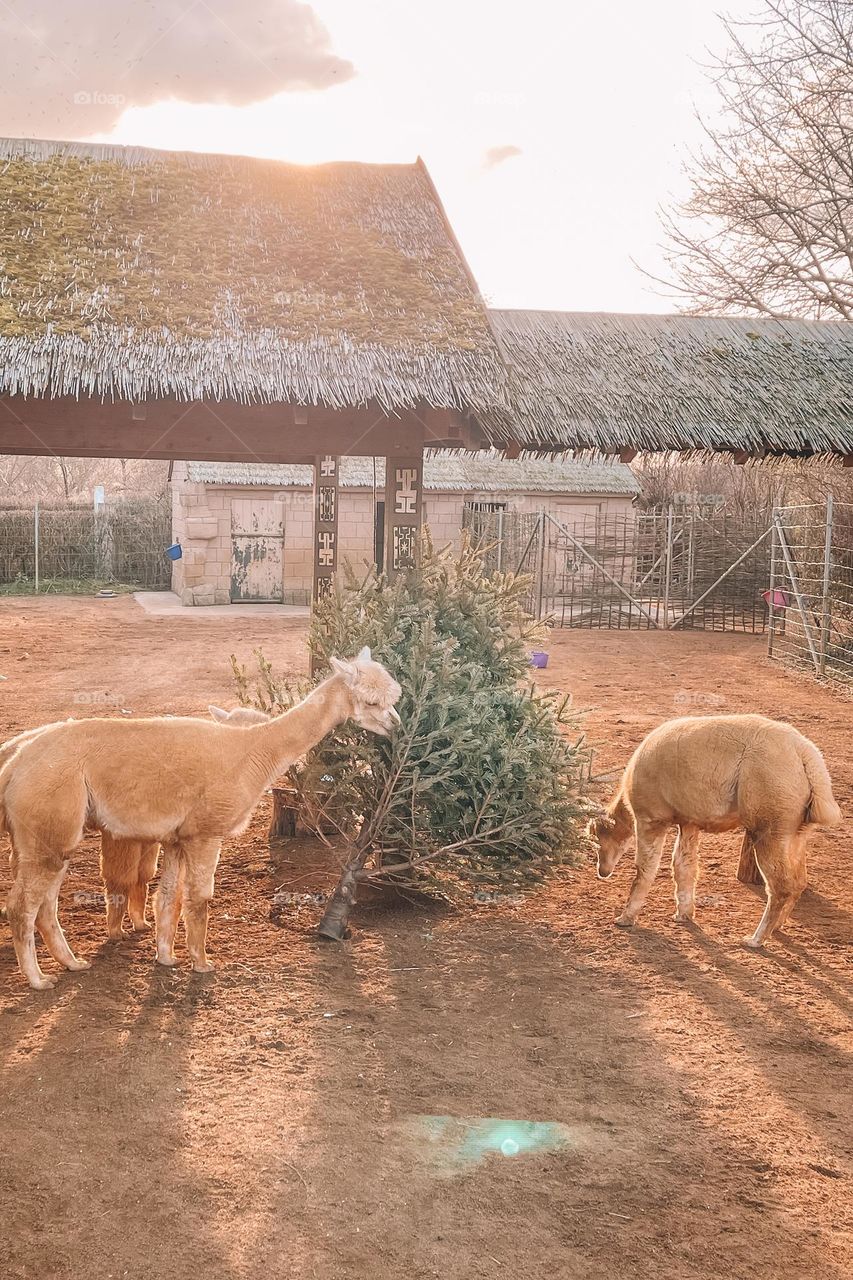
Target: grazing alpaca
[[187, 784], [715, 773], [128, 866]]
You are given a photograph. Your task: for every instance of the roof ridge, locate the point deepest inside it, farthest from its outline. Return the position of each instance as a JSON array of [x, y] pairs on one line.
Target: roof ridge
[[133, 155]]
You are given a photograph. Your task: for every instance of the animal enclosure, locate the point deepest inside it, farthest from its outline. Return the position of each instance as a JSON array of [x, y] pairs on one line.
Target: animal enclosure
[[122, 542], [811, 573], [668, 568]]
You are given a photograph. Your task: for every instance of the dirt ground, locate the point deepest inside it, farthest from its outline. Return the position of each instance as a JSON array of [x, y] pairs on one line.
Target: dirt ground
[[266, 1119]]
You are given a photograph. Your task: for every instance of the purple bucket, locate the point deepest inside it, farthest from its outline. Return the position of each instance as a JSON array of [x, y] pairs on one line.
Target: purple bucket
[[538, 659]]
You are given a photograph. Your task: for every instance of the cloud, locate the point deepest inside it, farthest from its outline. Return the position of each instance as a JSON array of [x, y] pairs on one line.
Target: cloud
[[499, 155], [72, 69]]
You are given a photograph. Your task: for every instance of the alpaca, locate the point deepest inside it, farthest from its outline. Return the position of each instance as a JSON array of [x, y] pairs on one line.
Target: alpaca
[[187, 784], [128, 866], [716, 773]]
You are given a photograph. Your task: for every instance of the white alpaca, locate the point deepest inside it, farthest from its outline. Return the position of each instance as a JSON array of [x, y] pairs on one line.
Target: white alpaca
[[187, 784]]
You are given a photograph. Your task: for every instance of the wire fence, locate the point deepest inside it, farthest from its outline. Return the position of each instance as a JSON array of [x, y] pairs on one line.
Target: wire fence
[[666, 568], [811, 613], [58, 548]]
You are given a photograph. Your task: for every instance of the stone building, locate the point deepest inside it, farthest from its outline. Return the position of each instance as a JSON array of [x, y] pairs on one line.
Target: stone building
[[246, 530]]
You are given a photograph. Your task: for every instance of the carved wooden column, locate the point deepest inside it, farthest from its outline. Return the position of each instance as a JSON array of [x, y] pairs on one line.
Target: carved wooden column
[[325, 526], [403, 511]]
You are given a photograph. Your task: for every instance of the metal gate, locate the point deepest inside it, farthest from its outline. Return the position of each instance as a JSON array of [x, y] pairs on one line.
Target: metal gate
[[811, 588], [257, 550], [664, 569]]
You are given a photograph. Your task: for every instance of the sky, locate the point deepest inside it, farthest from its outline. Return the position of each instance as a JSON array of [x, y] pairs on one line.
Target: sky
[[553, 129]]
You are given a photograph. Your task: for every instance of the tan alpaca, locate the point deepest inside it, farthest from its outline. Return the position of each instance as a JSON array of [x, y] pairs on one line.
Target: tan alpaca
[[128, 866], [187, 784], [715, 773]]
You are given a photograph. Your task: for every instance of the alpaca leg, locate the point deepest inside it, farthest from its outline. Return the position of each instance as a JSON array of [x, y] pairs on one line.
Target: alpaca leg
[[650, 842], [685, 870], [119, 858], [167, 904], [31, 885], [146, 871], [201, 860], [47, 922], [782, 862]]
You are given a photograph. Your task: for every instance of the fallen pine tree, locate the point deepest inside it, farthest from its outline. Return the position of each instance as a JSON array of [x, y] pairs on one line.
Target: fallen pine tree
[[483, 783]]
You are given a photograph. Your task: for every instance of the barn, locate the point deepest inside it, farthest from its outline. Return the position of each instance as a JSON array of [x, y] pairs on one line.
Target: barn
[[246, 529]]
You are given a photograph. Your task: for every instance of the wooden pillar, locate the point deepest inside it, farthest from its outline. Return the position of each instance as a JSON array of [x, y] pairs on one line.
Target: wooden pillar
[[325, 526], [403, 511]]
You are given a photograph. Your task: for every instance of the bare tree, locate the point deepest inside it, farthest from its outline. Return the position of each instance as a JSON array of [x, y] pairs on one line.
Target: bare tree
[[768, 227]]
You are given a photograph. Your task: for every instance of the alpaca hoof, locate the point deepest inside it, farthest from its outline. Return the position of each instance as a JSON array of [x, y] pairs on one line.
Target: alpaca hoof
[[42, 983], [624, 922], [116, 935], [754, 944], [140, 926], [168, 961], [203, 966], [682, 917], [78, 966]]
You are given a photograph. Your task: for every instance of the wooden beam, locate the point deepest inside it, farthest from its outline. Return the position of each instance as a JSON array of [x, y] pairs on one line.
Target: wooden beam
[[208, 431]]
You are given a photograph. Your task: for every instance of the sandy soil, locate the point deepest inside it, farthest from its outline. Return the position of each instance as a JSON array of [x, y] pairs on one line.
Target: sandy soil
[[265, 1119]]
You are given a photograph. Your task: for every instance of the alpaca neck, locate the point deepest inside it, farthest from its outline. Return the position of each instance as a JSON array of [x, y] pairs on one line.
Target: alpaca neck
[[289, 737], [621, 815]]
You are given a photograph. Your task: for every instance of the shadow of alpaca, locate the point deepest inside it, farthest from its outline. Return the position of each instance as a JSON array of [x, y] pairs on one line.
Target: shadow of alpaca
[[776, 1033], [94, 1082]]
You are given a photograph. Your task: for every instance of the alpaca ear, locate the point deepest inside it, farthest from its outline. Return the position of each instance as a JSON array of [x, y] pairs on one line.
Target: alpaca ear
[[364, 656], [345, 669], [218, 713]]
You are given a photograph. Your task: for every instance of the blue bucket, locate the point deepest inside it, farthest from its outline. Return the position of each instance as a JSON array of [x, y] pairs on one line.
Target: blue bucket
[[174, 552], [538, 659]]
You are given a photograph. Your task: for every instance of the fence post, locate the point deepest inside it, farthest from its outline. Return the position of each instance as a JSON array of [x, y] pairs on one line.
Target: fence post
[[667, 581], [771, 625], [500, 563], [826, 605], [36, 545], [540, 587]]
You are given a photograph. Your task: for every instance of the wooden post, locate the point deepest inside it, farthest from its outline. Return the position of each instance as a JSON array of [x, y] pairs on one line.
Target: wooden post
[[403, 511], [326, 469], [325, 525]]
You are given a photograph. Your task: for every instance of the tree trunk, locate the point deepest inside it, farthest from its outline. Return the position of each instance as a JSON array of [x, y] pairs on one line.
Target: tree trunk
[[283, 825], [747, 870], [334, 922]]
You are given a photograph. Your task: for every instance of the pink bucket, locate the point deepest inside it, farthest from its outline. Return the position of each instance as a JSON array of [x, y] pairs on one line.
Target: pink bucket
[[779, 599]]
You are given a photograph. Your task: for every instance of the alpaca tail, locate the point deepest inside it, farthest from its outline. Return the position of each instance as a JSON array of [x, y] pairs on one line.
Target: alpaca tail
[[822, 808]]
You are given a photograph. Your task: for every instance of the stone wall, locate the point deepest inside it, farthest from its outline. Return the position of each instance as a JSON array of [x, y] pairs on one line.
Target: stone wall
[[201, 516]]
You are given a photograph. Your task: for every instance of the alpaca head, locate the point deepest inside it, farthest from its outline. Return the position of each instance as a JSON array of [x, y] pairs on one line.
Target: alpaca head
[[373, 691], [238, 715], [610, 842]]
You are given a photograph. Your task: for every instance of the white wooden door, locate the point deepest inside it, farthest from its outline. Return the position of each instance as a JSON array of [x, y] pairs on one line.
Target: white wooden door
[[257, 546]]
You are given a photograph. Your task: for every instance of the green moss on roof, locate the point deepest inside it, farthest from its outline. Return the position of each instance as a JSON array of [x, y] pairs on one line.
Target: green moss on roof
[[226, 267]]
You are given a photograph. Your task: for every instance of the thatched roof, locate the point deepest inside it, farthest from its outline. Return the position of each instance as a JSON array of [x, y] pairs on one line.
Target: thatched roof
[[657, 382], [443, 472], [134, 273]]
